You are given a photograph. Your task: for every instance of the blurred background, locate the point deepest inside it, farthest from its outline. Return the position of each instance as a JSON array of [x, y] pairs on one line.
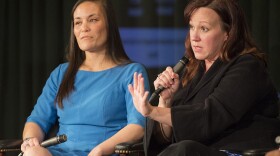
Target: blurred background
[[34, 35]]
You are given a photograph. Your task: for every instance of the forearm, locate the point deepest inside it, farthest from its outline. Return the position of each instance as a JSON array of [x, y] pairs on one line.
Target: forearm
[[161, 115], [165, 103], [131, 132], [31, 129], [163, 127], [164, 123]]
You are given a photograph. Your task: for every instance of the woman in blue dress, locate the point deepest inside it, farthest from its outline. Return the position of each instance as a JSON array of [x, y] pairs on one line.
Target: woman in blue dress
[[88, 95]]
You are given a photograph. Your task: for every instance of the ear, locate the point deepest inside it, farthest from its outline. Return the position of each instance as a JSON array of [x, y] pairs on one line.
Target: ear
[[226, 36]]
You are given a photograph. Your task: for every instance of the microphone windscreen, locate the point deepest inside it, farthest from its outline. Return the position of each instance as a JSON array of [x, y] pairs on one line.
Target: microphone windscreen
[[277, 140], [54, 140]]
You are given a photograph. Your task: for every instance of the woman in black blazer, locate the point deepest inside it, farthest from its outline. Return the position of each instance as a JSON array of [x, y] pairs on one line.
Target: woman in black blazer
[[225, 101]]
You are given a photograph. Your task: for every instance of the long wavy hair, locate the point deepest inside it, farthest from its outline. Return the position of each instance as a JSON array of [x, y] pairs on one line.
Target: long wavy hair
[[76, 56], [233, 21]]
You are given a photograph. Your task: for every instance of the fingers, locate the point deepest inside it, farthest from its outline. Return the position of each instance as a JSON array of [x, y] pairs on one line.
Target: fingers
[[29, 142], [139, 95], [138, 86], [141, 87], [135, 80], [166, 78], [131, 89], [25, 145], [146, 95]]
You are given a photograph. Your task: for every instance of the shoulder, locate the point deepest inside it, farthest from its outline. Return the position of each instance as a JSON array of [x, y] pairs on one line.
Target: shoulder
[[133, 67], [248, 61], [128, 70], [245, 68], [248, 57], [61, 68], [59, 71]]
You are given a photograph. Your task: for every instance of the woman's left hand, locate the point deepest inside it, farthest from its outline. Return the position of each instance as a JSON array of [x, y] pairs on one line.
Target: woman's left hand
[[139, 95]]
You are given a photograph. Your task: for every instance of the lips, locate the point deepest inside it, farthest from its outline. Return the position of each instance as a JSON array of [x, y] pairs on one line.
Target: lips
[[86, 37], [196, 48]]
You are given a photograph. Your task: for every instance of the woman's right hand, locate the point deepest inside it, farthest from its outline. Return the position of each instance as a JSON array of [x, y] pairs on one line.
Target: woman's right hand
[[170, 81], [29, 142], [139, 95]]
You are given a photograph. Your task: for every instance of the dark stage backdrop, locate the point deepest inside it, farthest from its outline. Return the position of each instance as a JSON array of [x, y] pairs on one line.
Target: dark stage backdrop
[[34, 35]]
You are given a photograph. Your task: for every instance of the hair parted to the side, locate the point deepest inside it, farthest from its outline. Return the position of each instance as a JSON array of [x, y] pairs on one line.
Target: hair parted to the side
[[233, 20], [76, 56]]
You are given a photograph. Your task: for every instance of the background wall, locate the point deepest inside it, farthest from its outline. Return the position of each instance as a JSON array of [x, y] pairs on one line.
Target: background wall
[[34, 34]]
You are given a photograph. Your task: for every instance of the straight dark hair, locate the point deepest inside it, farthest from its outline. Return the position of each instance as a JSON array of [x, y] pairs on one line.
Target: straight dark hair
[[76, 56], [239, 40]]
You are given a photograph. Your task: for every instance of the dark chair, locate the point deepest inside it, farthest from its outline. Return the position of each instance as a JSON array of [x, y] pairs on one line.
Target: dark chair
[[10, 147], [130, 148], [136, 149]]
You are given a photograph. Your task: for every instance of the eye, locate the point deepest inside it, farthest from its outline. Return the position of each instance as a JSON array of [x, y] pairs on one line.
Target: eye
[[204, 29], [93, 20], [191, 27], [77, 23]]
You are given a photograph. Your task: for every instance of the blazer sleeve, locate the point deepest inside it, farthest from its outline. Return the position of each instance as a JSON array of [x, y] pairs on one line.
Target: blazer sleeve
[[238, 88]]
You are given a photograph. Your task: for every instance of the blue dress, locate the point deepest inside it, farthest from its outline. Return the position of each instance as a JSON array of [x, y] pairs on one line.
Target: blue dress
[[99, 107]]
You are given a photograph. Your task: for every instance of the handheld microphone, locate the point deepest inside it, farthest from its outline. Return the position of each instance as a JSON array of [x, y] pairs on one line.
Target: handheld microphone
[[176, 69], [54, 140]]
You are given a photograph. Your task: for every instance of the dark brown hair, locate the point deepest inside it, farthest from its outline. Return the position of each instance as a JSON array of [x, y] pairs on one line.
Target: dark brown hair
[[76, 56], [239, 41]]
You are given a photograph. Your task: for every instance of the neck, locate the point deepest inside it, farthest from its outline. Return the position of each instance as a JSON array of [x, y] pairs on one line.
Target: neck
[[97, 62], [209, 63]]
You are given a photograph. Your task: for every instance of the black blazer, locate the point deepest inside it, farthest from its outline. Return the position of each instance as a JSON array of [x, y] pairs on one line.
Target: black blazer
[[233, 106]]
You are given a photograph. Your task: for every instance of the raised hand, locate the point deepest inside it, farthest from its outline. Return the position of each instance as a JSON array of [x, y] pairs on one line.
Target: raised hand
[[139, 95]]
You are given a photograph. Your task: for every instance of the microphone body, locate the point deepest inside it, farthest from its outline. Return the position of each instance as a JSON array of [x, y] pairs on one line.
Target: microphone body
[[54, 140], [176, 69]]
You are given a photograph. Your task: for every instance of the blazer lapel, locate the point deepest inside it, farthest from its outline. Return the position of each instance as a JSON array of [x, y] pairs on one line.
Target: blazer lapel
[[203, 79]]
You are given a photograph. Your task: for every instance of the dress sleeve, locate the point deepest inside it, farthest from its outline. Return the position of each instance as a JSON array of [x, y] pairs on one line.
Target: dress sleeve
[[133, 116], [45, 112], [240, 87]]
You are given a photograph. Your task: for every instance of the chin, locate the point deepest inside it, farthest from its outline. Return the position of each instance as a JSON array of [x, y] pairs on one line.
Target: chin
[[199, 57], [85, 48]]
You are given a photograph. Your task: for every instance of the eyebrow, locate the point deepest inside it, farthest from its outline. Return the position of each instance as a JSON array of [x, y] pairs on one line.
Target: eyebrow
[[205, 22], [201, 22], [88, 16]]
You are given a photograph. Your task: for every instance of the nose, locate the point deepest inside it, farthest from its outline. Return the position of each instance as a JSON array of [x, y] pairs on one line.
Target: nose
[[85, 27], [194, 35]]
